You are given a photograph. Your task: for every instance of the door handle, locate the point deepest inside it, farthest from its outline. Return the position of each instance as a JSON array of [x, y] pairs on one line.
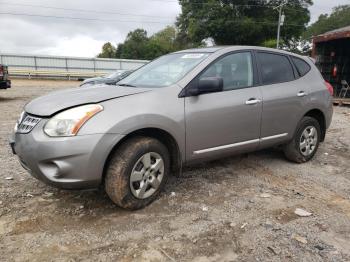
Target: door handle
[[252, 101], [301, 94]]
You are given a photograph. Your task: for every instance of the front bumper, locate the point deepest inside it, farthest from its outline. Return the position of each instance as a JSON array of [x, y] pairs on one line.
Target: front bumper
[[68, 162]]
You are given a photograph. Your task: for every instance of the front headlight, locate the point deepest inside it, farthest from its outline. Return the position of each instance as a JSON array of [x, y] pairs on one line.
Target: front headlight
[[68, 123]]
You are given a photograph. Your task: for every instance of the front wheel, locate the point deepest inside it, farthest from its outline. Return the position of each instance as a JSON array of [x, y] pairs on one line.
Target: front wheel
[[305, 142], [137, 172]]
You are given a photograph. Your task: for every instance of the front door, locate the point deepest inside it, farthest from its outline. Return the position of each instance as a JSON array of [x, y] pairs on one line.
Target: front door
[[222, 123]]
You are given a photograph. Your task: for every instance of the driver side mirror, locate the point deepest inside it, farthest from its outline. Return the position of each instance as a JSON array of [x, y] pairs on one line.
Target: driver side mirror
[[207, 85]]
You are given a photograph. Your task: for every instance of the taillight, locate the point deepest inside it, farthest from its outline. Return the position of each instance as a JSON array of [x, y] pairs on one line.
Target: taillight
[[1, 70], [330, 88]]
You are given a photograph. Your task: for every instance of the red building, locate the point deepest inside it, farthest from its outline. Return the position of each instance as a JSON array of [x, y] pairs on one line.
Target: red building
[[332, 53]]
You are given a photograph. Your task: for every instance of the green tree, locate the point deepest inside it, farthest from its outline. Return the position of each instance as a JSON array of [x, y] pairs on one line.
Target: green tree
[[135, 45], [160, 43], [233, 22], [166, 38], [269, 43], [340, 17], [163, 42], [298, 45], [138, 45], [108, 51]]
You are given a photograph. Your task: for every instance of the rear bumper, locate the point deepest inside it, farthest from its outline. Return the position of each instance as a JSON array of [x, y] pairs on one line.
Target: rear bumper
[[69, 162], [5, 84]]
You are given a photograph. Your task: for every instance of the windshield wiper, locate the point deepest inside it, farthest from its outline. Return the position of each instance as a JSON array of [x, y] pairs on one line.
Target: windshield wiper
[[125, 85]]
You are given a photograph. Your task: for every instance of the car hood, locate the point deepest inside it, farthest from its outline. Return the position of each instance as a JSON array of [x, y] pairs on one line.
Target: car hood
[[57, 101]]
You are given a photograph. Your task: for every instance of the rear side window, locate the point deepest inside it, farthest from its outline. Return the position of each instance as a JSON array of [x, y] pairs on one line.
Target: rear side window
[[302, 67], [275, 68]]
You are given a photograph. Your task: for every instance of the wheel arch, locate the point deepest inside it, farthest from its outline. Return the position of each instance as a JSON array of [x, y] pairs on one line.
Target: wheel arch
[[321, 119], [163, 136]]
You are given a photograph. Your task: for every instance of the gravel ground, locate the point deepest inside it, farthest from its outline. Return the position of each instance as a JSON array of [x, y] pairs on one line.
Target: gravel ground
[[235, 209]]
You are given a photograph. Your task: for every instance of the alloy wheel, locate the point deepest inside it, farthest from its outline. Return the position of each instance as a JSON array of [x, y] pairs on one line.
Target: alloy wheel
[[308, 141], [147, 175]]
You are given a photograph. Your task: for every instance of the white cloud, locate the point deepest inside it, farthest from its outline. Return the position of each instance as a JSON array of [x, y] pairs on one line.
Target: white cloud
[[325, 7], [80, 45], [40, 35], [35, 35]]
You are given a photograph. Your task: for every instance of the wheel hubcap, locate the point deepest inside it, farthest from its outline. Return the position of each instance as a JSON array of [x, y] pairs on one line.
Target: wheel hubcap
[[147, 175], [308, 141]]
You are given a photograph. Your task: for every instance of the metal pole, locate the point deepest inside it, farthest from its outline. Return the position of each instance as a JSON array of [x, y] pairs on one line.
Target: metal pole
[[279, 26], [66, 61], [35, 64], [280, 8]]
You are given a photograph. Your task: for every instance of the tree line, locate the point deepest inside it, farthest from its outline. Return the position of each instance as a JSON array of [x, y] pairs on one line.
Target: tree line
[[230, 22]]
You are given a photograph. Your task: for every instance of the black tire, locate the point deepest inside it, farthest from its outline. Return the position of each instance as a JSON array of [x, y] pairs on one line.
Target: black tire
[[293, 151], [121, 165]]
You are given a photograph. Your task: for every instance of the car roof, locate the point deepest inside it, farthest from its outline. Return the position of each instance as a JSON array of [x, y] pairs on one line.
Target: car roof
[[214, 49], [202, 50]]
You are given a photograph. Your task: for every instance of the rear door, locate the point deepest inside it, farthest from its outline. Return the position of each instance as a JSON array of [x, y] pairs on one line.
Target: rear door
[[229, 121], [283, 98]]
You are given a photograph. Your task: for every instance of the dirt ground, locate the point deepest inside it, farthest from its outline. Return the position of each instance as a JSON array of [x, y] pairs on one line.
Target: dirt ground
[[235, 209]]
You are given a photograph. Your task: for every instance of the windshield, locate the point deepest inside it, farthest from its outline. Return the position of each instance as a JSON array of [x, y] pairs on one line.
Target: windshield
[[164, 71]]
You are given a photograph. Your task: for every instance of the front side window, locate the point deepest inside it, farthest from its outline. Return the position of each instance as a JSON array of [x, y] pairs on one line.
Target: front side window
[[275, 68], [302, 67], [164, 71], [236, 70]]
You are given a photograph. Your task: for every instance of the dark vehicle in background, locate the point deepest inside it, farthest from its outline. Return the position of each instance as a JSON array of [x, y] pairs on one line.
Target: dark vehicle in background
[[4, 81], [110, 79]]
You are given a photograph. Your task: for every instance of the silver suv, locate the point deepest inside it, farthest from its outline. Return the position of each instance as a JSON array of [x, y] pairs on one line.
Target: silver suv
[[185, 107]]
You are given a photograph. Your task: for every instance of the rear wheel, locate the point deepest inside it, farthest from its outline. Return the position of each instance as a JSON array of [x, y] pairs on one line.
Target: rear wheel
[[137, 172], [305, 141]]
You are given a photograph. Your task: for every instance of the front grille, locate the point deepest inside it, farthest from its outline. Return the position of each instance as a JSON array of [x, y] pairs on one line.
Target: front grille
[[27, 123]]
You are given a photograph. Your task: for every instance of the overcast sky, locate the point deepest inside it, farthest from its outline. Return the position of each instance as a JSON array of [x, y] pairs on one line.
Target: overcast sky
[[101, 21]]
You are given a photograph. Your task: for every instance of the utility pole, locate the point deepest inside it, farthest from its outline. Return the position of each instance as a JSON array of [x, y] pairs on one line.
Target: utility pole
[[281, 18]]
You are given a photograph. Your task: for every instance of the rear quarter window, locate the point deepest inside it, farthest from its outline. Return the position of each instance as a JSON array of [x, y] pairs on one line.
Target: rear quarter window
[[302, 67]]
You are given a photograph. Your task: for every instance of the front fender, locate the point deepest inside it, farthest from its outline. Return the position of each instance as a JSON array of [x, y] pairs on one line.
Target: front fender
[[161, 109]]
